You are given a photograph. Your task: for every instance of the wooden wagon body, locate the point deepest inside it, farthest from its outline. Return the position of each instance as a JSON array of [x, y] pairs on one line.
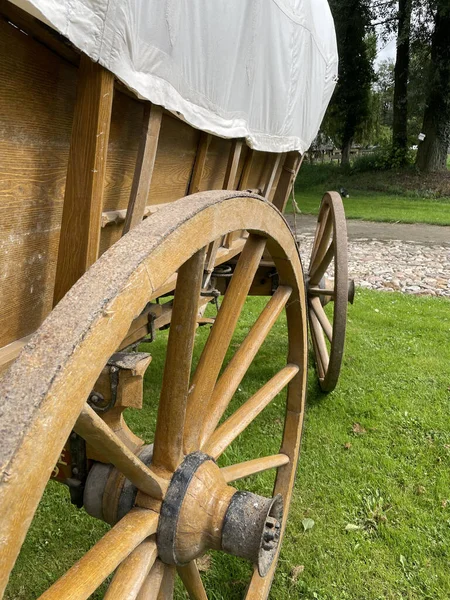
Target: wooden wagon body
[[82, 162]]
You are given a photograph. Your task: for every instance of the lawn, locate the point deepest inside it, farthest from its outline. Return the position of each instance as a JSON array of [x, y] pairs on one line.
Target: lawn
[[373, 475], [376, 196]]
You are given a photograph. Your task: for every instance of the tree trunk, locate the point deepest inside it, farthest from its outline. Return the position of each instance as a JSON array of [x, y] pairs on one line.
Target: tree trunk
[[432, 153], [401, 76], [345, 153]]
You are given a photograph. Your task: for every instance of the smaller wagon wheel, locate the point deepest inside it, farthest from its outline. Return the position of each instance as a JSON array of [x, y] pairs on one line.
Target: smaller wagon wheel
[[329, 254]]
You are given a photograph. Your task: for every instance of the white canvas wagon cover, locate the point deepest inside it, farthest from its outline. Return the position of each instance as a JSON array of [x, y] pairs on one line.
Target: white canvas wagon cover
[[259, 69]]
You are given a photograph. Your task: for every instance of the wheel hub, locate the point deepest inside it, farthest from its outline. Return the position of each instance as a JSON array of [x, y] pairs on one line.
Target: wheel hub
[[201, 512]]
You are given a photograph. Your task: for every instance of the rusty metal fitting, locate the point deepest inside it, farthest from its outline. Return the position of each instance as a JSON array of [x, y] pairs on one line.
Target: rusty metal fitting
[[252, 528]]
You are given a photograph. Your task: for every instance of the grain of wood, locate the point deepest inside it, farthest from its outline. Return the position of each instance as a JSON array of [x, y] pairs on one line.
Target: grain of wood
[[94, 430], [83, 200], [317, 308], [168, 448], [242, 359], [251, 467], [200, 161], [101, 560], [216, 346], [145, 163], [244, 415], [190, 576], [291, 166], [152, 584], [132, 572]]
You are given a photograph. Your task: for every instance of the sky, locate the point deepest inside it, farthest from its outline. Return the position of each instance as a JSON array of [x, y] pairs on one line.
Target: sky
[[385, 52]]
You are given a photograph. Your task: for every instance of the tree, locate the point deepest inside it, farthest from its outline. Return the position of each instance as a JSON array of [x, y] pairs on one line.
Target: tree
[[401, 75], [350, 105], [433, 150]]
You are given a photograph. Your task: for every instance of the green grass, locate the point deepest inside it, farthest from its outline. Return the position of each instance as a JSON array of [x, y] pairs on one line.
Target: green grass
[[376, 206], [404, 197], [380, 498]]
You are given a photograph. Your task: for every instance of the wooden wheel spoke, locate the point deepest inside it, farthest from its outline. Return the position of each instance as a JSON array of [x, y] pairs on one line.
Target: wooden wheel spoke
[[322, 235], [101, 560], [167, 584], [96, 433], [317, 272], [190, 576], [152, 584], [239, 421], [242, 359], [316, 306], [131, 574], [172, 405], [319, 341], [251, 467], [216, 346]]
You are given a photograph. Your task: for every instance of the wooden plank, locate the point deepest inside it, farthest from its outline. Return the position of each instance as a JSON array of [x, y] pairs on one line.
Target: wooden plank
[[230, 180], [269, 183], [144, 166], [245, 176], [83, 200], [291, 166], [232, 166], [200, 161]]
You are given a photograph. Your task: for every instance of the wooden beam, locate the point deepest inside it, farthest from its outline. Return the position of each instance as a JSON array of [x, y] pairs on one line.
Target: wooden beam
[[199, 164], [269, 183], [232, 165], [116, 217], [83, 199], [245, 176], [288, 175], [145, 163]]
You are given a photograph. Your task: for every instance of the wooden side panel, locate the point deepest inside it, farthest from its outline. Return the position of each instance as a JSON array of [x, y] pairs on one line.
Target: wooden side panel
[[216, 164], [173, 165], [34, 141], [37, 100], [260, 170]]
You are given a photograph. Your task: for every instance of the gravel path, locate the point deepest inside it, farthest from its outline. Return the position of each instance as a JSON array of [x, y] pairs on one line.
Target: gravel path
[[413, 259]]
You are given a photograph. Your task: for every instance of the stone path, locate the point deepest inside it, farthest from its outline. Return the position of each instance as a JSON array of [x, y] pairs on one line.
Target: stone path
[[413, 259]]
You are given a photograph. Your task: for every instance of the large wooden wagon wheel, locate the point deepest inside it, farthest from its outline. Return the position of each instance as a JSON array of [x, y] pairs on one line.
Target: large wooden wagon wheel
[[329, 254], [176, 501]]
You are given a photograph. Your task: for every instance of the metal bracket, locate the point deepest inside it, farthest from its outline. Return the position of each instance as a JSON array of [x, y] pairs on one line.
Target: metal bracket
[[79, 463]]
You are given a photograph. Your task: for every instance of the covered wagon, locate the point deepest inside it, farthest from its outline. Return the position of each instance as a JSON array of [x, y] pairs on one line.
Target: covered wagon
[[148, 149]]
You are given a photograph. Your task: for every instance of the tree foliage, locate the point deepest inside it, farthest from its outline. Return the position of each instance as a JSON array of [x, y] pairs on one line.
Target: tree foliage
[[432, 154], [350, 106]]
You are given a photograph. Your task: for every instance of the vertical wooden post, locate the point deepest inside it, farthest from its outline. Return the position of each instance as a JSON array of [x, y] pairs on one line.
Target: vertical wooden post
[[199, 164], [243, 183], [289, 172], [232, 165], [269, 183], [83, 199], [145, 163]]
